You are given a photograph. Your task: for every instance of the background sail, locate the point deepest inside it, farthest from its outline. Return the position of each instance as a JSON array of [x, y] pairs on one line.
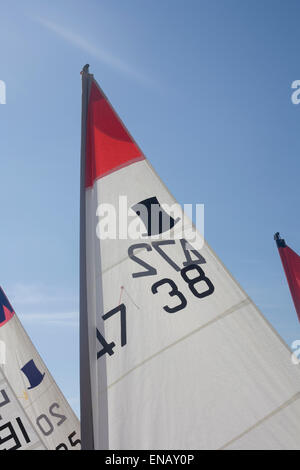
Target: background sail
[[180, 357], [16, 431], [31, 388], [291, 265]]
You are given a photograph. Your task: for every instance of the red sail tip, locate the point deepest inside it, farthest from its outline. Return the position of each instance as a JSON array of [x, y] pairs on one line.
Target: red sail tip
[[291, 264], [109, 146]]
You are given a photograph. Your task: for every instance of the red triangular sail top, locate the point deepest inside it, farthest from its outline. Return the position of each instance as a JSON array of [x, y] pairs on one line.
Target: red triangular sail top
[[291, 264], [109, 146]]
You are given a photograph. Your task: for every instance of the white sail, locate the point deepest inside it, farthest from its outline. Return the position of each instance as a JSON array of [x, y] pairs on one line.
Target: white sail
[[32, 408], [174, 354], [16, 431]]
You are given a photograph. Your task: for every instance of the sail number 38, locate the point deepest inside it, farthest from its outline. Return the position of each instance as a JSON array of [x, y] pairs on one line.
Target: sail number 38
[[191, 272], [192, 283]]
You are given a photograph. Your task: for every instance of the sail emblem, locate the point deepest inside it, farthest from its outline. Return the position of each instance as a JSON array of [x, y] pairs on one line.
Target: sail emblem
[[155, 219], [6, 310], [34, 376]]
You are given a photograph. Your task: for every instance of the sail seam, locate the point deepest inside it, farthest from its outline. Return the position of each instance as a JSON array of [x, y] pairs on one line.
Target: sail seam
[[117, 168], [214, 320], [281, 407]]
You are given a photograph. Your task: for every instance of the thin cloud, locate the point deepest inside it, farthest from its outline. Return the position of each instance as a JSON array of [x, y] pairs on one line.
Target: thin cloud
[[95, 51], [40, 304], [57, 319], [37, 294]]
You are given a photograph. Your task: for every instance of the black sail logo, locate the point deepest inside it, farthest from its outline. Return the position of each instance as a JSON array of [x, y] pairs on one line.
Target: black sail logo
[[155, 219]]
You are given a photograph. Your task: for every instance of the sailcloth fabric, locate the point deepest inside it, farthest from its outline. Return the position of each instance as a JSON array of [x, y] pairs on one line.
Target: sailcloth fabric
[[174, 354], [16, 431], [33, 412]]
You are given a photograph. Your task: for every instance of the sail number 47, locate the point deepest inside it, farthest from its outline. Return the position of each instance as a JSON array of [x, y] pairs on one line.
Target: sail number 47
[[108, 347]]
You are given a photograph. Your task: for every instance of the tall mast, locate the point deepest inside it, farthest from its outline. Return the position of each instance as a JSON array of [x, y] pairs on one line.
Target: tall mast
[[86, 409]]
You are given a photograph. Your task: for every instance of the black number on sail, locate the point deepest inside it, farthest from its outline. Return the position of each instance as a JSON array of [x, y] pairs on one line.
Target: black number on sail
[[150, 271], [195, 280], [45, 423], [8, 437], [73, 442], [174, 292], [122, 309], [157, 246], [4, 398], [188, 249], [12, 435], [62, 418], [108, 347]]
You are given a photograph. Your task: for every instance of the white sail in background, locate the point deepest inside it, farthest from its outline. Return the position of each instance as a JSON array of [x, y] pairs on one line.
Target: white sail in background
[[174, 354], [34, 413], [16, 432]]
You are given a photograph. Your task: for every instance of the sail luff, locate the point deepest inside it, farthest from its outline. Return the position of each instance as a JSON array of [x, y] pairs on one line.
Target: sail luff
[[86, 408]]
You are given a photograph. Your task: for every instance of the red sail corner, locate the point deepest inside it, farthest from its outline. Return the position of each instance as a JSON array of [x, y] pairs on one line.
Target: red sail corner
[[109, 146]]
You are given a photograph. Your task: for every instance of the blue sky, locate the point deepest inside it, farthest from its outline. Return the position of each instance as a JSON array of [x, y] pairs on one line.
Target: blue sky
[[204, 86]]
